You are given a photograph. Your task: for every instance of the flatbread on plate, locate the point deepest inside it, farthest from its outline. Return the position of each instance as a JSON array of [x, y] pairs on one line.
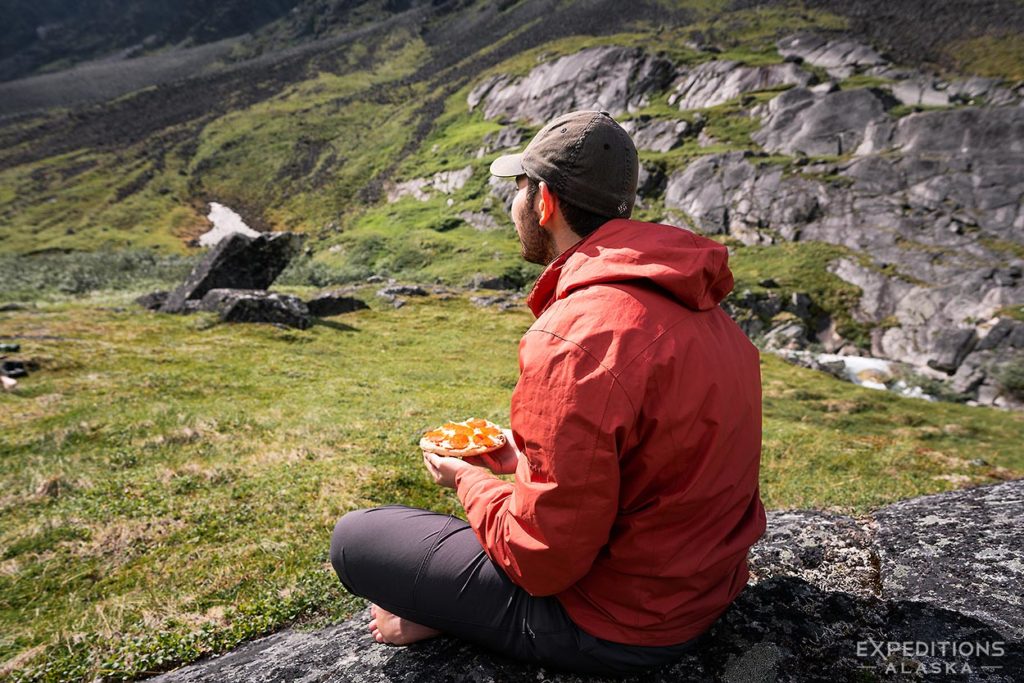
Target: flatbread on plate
[[474, 436]]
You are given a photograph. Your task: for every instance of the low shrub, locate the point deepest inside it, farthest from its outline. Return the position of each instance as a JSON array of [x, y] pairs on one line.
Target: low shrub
[[33, 276]]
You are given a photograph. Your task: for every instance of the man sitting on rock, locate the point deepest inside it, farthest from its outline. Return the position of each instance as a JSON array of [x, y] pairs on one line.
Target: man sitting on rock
[[635, 443]]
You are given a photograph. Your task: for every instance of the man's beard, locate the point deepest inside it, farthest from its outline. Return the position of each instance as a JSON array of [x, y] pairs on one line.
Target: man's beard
[[535, 243]]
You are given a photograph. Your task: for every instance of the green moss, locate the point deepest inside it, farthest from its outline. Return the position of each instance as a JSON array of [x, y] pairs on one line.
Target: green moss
[[803, 267], [1003, 247], [860, 81], [1013, 312], [43, 541]]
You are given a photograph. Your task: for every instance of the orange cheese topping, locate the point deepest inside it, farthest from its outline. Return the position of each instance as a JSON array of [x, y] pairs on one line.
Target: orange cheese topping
[[459, 435]]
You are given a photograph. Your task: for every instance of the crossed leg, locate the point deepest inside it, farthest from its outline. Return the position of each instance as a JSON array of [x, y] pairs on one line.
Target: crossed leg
[[426, 574]]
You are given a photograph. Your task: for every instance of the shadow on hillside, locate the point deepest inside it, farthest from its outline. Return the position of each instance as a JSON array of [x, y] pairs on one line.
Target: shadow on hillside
[[340, 327]]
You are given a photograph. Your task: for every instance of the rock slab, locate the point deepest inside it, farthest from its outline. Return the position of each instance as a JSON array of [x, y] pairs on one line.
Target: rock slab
[[237, 262], [613, 79], [817, 608]]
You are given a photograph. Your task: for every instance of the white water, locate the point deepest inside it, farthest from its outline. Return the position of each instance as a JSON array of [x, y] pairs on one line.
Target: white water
[[872, 373], [225, 221]]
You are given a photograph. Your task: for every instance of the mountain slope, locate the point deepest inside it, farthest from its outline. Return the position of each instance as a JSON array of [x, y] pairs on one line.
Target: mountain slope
[[49, 34], [769, 125]]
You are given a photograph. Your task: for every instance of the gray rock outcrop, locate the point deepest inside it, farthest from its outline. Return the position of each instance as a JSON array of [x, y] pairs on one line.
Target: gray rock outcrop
[[962, 550], [480, 220], [726, 193], [153, 301], [237, 262], [934, 205], [802, 122], [613, 79], [840, 57], [928, 204], [444, 182], [716, 82], [922, 587], [504, 190]]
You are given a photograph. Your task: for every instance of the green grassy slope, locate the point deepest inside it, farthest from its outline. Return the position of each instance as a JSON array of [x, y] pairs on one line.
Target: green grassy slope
[[170, 483], [146, 443]]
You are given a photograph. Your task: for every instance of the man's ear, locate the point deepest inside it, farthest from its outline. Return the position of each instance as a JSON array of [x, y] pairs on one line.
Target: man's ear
[[547, 203]]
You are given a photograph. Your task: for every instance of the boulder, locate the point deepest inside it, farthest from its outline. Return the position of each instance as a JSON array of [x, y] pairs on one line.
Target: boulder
[[501, 282], [256, 306], [503, 302], [788, 335], [950, 348], [717, 82], [13, 368], [610, 78], [153, 301], [237, 262], [334, 303], [830, 597], [393, 290], [920, 92]]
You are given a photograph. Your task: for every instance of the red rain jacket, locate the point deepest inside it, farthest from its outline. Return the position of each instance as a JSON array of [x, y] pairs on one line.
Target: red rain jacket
[[638, 409]]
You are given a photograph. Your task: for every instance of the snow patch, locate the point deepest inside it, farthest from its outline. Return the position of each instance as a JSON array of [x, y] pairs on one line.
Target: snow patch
[[225, 221]]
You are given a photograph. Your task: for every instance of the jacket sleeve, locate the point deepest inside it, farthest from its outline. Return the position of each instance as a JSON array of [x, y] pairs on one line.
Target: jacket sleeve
[[570, 418]]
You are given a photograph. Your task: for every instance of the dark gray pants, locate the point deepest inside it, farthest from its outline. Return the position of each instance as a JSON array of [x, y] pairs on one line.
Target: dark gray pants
[[429, 568]]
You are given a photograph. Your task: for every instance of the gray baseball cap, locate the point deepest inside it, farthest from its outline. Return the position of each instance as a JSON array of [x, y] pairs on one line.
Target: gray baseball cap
[[586, 158]]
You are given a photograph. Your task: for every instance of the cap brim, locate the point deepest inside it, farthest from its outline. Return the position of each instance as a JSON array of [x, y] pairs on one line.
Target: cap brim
[[508, 166]]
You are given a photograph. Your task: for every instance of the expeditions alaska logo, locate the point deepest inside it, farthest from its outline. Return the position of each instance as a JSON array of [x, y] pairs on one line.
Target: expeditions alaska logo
[[946, 656]]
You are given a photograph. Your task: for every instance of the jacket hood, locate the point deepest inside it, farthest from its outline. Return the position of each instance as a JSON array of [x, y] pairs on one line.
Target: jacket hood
[[691, 269]]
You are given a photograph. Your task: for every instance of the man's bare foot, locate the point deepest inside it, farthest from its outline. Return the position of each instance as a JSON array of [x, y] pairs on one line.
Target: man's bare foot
[[389, 629]]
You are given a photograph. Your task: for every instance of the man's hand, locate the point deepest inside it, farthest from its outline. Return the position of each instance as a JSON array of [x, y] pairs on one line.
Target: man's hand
[[442, 468], [501, 461]]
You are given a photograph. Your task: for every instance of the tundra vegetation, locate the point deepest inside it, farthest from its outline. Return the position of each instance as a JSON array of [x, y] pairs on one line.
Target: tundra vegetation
[[170, 483]]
